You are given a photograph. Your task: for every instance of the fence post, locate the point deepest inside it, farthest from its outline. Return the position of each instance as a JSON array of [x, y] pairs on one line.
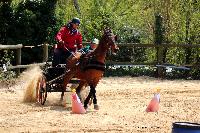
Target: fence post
[[45, 52], [18, 60]]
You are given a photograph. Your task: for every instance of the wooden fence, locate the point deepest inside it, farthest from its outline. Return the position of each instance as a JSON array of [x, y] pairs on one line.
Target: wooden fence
[[18, 48], [159, 48]]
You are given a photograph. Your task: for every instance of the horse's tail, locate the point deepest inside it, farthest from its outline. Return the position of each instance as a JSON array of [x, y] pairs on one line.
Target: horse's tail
[[30, 94]]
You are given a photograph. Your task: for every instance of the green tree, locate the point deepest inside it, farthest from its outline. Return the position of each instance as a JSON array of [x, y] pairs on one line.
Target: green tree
[[6, 22]]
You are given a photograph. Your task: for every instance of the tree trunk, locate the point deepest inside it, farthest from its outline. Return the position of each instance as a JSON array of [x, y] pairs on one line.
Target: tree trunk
[[77, 7]]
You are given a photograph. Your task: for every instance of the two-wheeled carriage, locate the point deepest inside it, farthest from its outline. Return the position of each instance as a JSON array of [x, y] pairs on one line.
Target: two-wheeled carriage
[[52, 81]]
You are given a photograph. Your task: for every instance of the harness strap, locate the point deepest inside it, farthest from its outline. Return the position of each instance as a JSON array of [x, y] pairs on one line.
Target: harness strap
[[95, 65]]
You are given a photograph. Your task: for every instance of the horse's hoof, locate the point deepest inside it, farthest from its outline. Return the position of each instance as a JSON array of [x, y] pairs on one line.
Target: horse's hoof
[[61, 99], [85, 107], [90, 102], [79, 96], [96, 107]]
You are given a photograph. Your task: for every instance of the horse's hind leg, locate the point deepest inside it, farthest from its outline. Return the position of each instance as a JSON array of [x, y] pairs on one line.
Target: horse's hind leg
[[80, 87], [62, 95], [67, 77]]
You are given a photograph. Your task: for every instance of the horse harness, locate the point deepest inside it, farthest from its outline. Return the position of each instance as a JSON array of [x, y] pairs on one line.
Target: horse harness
[[87, 63]]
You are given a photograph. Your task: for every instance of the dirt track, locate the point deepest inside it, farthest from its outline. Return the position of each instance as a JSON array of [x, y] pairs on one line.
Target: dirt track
[[122, 107]]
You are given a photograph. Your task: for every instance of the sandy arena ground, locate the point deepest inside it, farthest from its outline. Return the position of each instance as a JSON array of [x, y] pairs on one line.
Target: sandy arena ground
[[122, 102]]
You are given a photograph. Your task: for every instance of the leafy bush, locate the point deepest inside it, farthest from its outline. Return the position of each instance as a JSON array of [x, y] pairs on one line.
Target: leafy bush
[[8, 75], [136, 71]]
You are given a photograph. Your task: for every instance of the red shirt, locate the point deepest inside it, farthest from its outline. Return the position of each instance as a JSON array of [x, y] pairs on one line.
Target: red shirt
[[72, 41]]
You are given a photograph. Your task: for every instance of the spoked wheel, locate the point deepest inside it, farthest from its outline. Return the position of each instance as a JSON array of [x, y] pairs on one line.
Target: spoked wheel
[[42, 90]]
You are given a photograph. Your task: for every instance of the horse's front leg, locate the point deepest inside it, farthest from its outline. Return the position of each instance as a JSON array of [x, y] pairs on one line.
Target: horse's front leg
[[92, 94], [96, 106], [87, 99]]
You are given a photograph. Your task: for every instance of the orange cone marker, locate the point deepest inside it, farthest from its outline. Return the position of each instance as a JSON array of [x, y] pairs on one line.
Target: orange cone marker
[[154, 103], [77, 106]]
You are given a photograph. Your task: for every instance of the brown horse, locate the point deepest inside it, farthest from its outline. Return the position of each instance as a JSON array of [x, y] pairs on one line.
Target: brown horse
[[91, 67]]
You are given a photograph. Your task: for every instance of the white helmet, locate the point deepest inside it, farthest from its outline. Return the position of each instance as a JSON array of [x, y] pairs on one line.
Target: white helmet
[[95, 41]]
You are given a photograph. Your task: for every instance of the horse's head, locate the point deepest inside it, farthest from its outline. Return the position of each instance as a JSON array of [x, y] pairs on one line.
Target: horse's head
[[110, 40]]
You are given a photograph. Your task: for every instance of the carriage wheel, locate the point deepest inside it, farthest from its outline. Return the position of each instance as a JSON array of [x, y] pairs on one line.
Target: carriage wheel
[[42, 90]]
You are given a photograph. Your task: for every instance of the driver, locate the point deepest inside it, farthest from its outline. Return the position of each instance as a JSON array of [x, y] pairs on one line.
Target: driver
[[69, 41]]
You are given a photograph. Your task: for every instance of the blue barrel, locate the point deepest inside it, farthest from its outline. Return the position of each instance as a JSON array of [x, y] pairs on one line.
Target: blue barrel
[[185, 127]]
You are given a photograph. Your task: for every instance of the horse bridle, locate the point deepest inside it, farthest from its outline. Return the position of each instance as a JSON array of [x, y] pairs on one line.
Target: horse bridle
[[111, 38]]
